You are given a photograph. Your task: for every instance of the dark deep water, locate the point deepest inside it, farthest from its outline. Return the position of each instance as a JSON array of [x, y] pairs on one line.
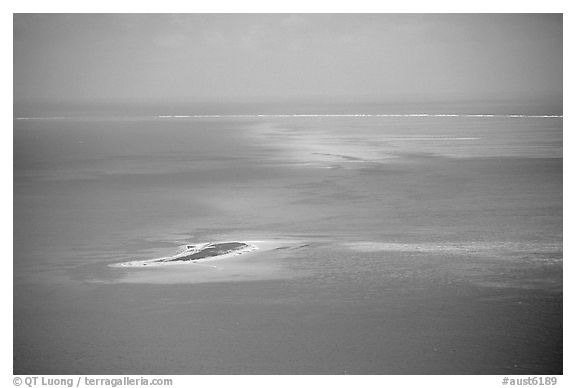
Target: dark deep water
[[432, 245]]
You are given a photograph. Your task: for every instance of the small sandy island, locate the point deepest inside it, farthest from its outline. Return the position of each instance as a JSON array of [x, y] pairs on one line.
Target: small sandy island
[[195, 253]]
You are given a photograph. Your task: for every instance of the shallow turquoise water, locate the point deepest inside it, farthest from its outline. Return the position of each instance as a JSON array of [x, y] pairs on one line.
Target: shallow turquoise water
[[434, 245]]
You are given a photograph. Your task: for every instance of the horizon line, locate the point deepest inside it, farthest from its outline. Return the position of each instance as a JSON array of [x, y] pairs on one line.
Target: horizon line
[[479, 115]]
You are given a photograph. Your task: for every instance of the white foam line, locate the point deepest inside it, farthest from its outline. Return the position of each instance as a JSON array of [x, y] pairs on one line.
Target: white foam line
[[431, 138], [360, 115], [311, 115]]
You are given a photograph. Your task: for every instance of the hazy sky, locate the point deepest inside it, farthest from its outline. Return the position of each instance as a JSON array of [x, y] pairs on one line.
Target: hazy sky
[[180, 56]]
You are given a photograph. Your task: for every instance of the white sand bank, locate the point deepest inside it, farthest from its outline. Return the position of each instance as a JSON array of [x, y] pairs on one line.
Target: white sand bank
[[260, 260]]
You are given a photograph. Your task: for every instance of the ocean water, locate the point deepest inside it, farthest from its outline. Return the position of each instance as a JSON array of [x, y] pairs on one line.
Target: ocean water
[[413, 244]]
